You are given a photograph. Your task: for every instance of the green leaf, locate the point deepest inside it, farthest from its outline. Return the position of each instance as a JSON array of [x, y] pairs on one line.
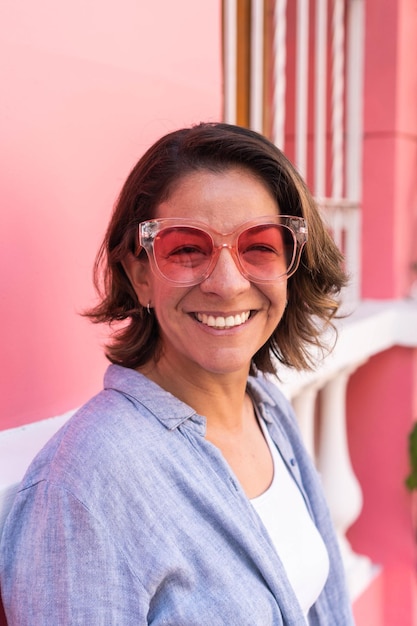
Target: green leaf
[[411, 480]]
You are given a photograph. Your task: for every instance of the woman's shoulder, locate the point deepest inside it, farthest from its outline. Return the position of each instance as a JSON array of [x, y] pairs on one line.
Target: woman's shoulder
[[112, 431]]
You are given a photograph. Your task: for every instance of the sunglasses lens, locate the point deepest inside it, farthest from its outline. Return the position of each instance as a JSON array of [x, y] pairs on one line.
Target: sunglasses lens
[[183, 254], [266, 252]]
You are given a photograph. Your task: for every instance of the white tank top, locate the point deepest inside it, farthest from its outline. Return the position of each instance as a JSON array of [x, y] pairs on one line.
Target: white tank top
[[296, 539]]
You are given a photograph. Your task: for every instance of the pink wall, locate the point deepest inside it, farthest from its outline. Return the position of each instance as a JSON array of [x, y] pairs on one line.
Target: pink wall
[[390, 149], [380, 413], [379, 422], [86, 87]]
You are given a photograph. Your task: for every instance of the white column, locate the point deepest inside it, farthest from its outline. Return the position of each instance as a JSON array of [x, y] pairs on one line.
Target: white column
[[304, 405], [320, 79], [257, 66], [338, 86], [341, 486], [230, 60], [280, 60], [302, 69]]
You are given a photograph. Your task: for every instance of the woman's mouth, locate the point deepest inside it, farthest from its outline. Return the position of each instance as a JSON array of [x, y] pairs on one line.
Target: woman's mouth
[[219, 321]]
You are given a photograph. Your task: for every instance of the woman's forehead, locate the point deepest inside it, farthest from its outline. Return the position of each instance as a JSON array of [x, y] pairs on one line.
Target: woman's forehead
[[232, 196]]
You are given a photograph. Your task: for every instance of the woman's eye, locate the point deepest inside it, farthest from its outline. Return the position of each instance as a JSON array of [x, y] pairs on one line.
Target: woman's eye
[[190, 256], [259, 247], [185, 250]]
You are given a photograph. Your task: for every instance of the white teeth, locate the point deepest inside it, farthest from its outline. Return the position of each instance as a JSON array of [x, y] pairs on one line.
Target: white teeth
[[223, 322]]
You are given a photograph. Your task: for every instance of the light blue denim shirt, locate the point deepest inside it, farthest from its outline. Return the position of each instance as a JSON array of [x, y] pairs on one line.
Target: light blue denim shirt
[[129, 516]]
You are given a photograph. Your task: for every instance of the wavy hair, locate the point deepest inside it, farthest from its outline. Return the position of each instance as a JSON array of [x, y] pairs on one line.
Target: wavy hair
[[312, 291]]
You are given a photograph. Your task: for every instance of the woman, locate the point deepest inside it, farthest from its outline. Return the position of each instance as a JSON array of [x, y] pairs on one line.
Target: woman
[[181, 494]]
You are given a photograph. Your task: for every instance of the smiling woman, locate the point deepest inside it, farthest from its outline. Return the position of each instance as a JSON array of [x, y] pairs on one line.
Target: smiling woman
[[217, 282], [182, 489]]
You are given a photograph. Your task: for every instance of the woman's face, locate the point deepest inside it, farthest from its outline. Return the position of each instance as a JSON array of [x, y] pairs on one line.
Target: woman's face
[[217, 325]]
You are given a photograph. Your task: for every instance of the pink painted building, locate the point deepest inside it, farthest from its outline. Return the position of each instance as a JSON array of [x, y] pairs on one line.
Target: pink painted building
[[88, 86]]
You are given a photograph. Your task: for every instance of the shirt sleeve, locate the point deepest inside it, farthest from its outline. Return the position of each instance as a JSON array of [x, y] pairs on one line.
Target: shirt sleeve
[[60, 566]]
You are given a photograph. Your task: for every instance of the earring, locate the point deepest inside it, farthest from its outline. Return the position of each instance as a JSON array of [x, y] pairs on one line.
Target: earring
[[148, 308]]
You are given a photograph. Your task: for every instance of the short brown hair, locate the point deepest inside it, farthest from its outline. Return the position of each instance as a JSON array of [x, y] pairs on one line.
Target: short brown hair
[[312, 290]]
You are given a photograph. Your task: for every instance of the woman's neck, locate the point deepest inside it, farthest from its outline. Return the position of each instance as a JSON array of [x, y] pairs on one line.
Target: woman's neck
[[220, 397], [231, 422]]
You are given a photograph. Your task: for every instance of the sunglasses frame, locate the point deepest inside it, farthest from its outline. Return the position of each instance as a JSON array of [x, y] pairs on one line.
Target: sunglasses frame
[[149, 229]]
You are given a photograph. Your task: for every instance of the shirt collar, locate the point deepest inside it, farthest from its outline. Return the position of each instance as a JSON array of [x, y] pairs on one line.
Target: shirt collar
[[168, 409], [260, 396]]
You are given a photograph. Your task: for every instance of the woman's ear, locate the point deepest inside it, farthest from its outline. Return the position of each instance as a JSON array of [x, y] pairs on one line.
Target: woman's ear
[[139, 273]]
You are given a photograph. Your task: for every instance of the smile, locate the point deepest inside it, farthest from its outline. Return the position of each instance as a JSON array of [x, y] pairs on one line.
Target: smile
[[223, 322]]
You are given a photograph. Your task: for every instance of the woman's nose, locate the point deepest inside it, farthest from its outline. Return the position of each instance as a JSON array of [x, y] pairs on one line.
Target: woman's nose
[[225, 277]]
